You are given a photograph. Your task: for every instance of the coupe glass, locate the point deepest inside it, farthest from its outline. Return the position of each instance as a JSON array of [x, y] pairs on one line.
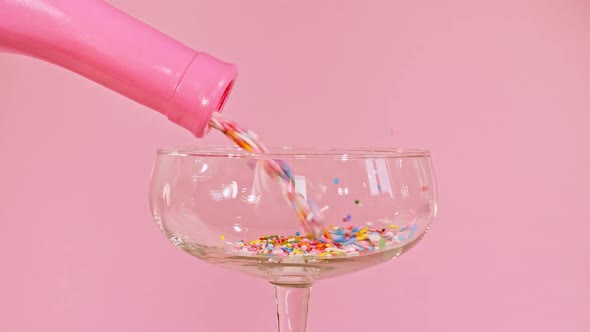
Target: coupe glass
[[209, 200]]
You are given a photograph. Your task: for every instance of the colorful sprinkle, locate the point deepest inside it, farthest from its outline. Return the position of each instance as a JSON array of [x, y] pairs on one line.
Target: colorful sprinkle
[[222, 237], [357, 202], [336, 181], [297, 233], [414, 228], [348, 217]]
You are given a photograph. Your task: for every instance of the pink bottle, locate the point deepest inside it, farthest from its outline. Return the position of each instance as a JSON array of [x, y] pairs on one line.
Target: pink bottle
[[102, 43]]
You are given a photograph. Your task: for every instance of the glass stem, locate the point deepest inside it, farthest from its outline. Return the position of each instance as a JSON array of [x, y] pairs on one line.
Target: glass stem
[[292, 302]]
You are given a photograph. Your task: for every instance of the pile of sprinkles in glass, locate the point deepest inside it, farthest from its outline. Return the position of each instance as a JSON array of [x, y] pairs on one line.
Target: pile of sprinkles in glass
[[335, 241]]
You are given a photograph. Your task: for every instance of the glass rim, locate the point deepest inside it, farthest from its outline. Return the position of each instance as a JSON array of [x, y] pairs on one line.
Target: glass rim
[[281, 151]]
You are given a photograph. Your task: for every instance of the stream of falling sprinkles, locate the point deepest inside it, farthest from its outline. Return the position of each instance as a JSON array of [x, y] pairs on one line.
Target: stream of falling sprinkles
[[275, 168], [319, 241]]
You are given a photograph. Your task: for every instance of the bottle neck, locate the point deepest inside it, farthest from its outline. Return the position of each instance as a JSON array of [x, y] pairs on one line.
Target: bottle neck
[[111, 48]]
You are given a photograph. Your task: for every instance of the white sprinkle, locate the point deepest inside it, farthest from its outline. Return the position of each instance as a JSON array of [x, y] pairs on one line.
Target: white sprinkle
[[374, 237]]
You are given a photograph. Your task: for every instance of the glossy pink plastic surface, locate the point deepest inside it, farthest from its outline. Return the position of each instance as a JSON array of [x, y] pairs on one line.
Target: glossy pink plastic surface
[[104, 44]]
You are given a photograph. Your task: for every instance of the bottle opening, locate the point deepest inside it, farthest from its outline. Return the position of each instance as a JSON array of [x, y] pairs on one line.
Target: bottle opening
[[224, 96]]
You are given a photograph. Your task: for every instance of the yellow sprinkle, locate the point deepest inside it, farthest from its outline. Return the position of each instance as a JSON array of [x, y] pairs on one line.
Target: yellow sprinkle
[[222, 237], [393, 226], [289, 245]]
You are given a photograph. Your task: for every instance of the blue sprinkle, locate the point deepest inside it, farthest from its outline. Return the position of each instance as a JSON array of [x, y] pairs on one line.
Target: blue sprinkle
[[297, 233], [340, 231], [348, 217], [371, 248], [379, 187], [414, 228], [336, 180], [338, 238], [401, 237], [351, 241], [354, 230]]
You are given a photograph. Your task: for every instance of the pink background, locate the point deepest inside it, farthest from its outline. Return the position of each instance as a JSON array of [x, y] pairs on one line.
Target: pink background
[[498, 90]]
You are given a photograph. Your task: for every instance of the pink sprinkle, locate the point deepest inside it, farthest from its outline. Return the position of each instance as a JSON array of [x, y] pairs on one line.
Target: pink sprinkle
[[350, 248], [324, 238], [364, 244]]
